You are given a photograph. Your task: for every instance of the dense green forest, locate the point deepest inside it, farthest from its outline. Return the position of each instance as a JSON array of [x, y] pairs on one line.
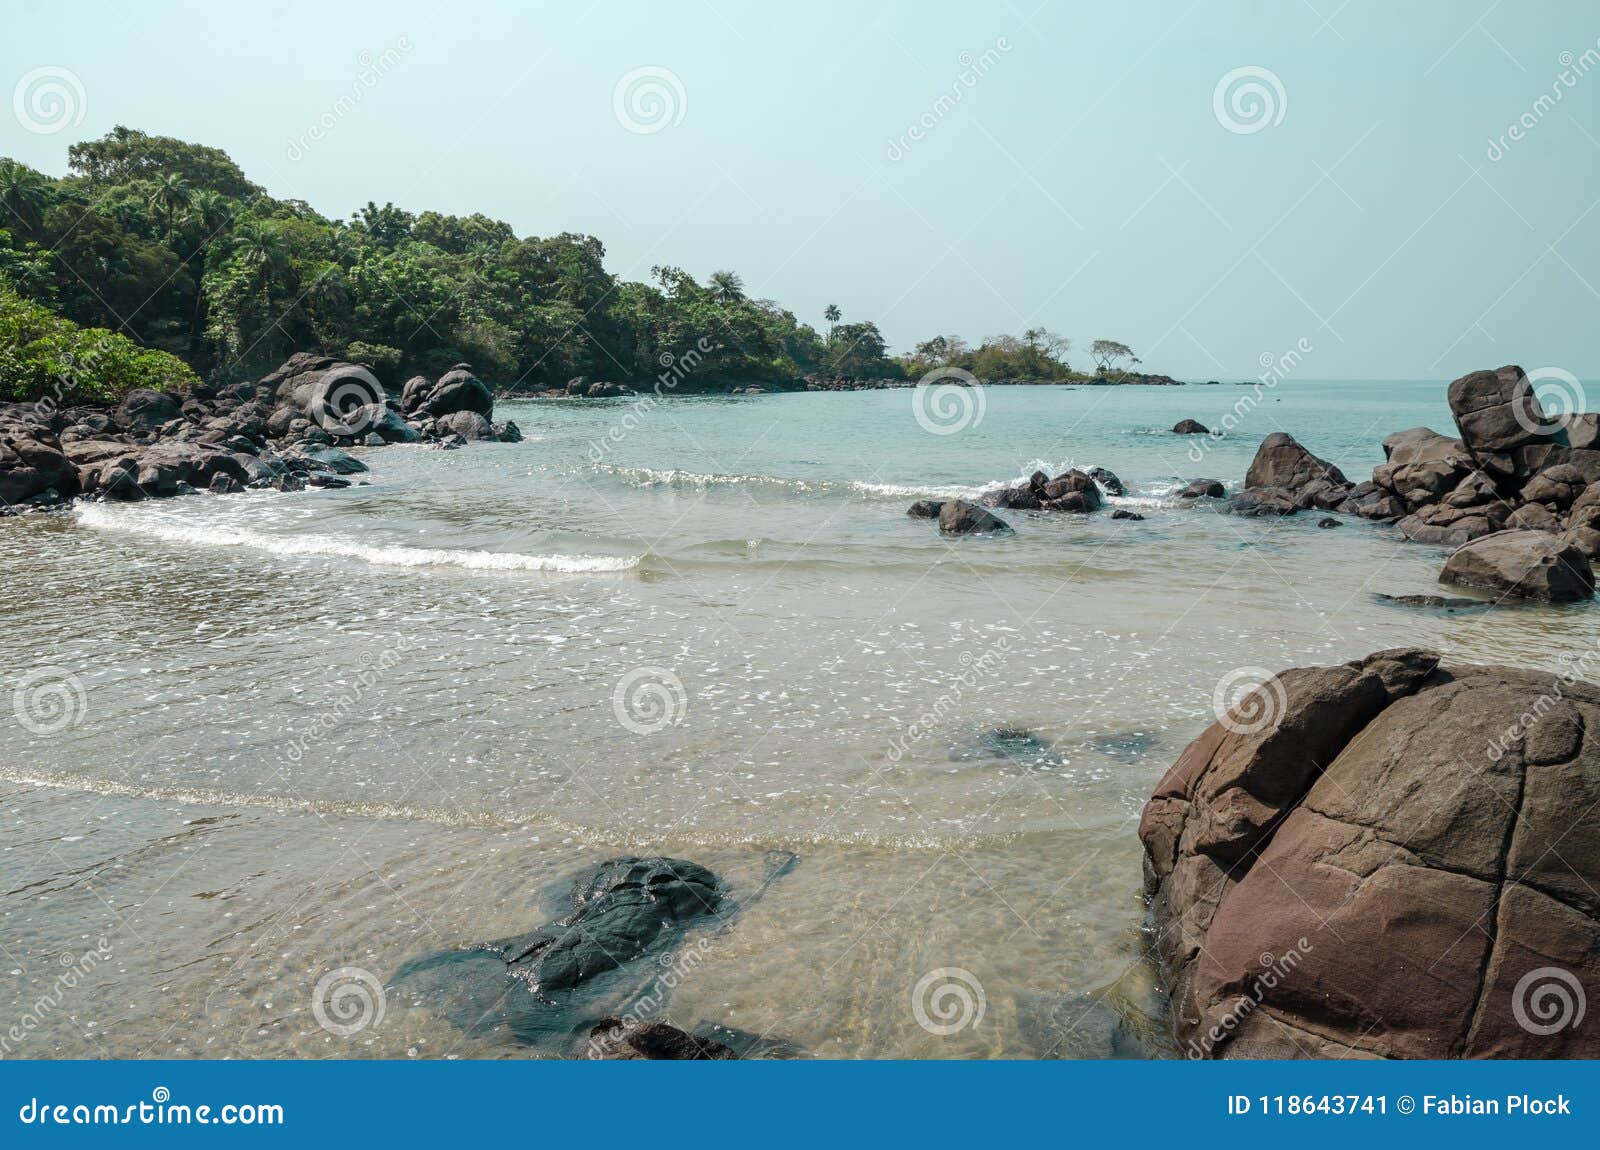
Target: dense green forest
[[170, 246]]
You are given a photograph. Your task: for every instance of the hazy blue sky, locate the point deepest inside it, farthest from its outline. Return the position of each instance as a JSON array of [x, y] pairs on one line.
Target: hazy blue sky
[[1084, 181]]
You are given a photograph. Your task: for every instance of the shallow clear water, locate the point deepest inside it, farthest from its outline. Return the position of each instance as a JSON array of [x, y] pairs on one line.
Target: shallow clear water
[[344, 728]]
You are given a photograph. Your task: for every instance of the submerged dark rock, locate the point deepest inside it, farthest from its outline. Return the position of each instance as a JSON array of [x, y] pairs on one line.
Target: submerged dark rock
[[1011, 744], [925, 509], [548, 987], [1433, 602], [628, 1040], [1190, 427], [619, 911], [958, 517]]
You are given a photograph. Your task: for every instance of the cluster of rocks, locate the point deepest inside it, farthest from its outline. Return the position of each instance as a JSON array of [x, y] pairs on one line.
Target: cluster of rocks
[[1511, 468], [1073, 491], [843, 383], [1362, 860], [1529, 483], [286, 431]]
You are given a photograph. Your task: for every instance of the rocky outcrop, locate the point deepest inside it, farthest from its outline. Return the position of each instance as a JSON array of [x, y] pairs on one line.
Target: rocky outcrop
[[1389, 858], [1190, 427], [456, 390], [1513, 468], [1072, 490], [958, 517], [1284, 478], [285, 431], [1522, 565]]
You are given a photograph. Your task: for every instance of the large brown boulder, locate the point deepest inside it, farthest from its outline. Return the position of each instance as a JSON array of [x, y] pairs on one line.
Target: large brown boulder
[[1385, 858], [1522, 564], [31, 464], [1422, 445], [1289, 471], [1502, 425]]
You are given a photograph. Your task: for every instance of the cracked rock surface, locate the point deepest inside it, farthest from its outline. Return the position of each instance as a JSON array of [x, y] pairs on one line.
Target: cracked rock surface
[[1388, 858]]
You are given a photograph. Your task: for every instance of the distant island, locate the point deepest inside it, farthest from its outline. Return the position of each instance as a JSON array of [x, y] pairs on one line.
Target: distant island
[[156, 262]]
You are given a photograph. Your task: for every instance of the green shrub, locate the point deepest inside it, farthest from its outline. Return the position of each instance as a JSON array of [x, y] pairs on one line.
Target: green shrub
[[383, 360], [43, 356]]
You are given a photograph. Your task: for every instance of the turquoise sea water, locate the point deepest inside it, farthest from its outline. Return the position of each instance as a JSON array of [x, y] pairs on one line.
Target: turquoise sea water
[[341, 728]]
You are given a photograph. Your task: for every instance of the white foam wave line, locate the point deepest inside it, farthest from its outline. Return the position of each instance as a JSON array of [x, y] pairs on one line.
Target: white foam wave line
[[388, 556], [673, 477], [381, 812]]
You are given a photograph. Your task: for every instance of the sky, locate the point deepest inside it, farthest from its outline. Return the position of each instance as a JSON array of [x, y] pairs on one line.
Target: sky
[[938, 168]]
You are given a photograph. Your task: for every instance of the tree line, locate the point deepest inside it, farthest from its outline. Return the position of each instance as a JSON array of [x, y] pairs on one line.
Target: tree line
[[167, 245]]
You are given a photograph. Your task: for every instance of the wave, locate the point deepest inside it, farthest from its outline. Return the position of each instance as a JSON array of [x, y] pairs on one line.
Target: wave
[[700, 481], [641, 839], [394, 555]]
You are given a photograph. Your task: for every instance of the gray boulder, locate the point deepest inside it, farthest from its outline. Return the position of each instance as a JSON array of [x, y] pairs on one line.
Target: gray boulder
[[456, 390], [1522, 565], [469, 425], [144, 411]]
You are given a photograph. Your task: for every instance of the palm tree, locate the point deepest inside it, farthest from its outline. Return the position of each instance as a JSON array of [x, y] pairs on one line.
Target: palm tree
[[172, 194], [211, 210], [833, 315], [23, 194], [726, 287], [260, 247]]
